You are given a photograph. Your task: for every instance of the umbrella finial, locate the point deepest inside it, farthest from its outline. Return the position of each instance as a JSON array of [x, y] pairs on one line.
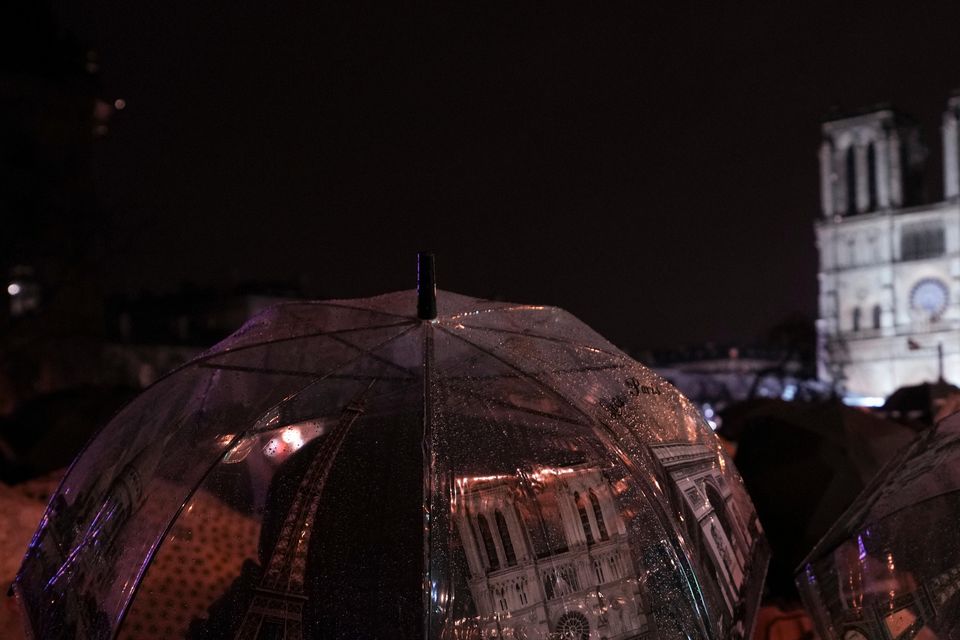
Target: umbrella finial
[[426, 287]]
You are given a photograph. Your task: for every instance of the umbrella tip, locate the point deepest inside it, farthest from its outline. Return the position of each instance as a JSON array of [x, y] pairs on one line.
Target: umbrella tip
[[426, 287]]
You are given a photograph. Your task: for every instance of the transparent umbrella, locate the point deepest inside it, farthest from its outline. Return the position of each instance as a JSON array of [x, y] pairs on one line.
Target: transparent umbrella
[[890, 567], [403, 466]]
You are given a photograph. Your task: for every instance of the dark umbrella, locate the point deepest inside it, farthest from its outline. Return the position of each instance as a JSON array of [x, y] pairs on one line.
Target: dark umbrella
[[401, 466], [921, 402], [803, 464], [46, 433], [890, 566]]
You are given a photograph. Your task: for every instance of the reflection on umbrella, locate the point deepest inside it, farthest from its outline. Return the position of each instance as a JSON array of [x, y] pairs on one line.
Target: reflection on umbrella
[[890, 567], [804, 464], [353, 469]]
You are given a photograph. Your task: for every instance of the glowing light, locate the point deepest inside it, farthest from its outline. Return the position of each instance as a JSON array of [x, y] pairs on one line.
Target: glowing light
[[863, 401], [268, 420], [273, 448], [291, 435], [464, 483], [542, 472], [119, 104], [13, 288]]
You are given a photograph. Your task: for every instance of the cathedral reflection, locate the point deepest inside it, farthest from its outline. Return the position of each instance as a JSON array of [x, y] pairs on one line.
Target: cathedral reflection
[[548, 556], [719, 536], [572, 550]]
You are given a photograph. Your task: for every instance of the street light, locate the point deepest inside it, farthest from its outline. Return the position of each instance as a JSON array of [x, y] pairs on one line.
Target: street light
[[913, 345]]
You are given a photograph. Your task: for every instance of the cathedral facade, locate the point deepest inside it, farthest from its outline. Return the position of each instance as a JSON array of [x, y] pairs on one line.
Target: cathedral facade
[[560, 565], [889, 275]]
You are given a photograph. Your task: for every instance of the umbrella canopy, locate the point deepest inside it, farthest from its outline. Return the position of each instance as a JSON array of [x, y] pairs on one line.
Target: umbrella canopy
[[45, 433], [890, 567], [804, 464], [353, 469], [922, 402]]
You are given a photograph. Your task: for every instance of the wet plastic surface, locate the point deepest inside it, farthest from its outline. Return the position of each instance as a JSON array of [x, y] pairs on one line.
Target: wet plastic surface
[[346, 470], [890, 568]]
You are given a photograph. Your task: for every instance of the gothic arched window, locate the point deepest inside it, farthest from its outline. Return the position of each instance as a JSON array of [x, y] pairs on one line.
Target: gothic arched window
[[521, 587], [598, 515], [598, 570], [502, 599], [505, 538], [720, 509], [488, 545], [877, 316], [856, 318], [852, 252], [872, 177], [476, 539], [851, 166], [584, 519], [919, 241], [693, 525], [542, 523]]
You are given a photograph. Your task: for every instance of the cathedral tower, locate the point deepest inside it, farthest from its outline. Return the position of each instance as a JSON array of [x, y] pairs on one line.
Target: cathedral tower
[[951, 149], [870, 162], [889, 302]]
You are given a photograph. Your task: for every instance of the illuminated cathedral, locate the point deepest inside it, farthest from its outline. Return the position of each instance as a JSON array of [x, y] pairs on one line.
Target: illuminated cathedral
[[889, 277]]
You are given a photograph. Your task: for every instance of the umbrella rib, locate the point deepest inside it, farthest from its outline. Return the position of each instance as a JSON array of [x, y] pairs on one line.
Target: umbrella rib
[[614, 442], [508, 308], [844, 528], [332, 374], [200, 360], [319, 415], [376, 357], [507, 405], [293, 373], [917, 503], [269, 370], [165, 534], [338, 305], [527, 334], [240, 435], [233, 443], [539, 382], [609, 367], [314, 334]]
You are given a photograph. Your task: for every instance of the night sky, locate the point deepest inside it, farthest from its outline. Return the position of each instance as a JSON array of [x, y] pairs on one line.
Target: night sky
[[652, 171]]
